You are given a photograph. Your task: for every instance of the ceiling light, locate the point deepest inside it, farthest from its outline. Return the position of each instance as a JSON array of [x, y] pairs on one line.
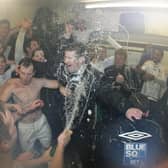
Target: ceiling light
[[127, 5]]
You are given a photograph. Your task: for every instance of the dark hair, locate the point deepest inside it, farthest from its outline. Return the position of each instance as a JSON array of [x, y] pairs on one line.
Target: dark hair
[[26, 62], [80, 49], [121, 51], [4, 21], [27, 43], [39, 49]]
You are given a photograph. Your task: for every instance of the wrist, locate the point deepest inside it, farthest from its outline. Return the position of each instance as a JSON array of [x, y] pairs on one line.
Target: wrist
[[60, 147]]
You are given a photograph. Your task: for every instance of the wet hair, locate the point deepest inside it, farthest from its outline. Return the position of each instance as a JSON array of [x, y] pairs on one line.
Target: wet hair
[[26, 62], [80, 48], [4, 21], [122, 52]]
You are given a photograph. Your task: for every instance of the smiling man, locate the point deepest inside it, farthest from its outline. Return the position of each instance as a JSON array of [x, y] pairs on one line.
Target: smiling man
[[25, 91]]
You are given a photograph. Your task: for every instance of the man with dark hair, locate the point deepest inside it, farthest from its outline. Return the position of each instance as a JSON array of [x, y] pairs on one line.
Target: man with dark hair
[[154, 84], [25, 91], [117, 83], [80, 106]]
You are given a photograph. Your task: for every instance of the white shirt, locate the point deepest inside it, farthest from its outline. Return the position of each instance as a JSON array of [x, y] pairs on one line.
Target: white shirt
[[6, 75], [154, 89]]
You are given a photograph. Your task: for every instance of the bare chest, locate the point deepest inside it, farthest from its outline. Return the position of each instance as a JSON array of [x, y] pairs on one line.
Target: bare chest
[[25, 94]]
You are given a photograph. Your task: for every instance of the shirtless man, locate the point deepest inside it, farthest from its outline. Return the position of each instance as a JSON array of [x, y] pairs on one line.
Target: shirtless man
[[25, 91]]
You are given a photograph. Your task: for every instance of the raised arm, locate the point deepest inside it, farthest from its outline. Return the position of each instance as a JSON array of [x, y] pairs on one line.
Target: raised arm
[[58, 158]]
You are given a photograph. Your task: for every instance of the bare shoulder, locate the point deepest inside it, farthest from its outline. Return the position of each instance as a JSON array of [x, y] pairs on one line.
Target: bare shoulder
[[8, 87], [11, 82]]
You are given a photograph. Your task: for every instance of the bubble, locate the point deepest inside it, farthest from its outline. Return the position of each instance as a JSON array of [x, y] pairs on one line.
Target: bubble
[[89, 112]]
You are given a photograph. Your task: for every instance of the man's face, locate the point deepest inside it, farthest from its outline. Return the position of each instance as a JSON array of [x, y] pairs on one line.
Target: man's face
[[4, 30], [34, 45], [71, 61], [157, 56], [39, 56], [102, 54], [120, 60], [2, 66], [26, 74]]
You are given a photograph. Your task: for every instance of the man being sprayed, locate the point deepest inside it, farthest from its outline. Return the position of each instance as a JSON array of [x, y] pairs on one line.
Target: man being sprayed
[[80, 105]]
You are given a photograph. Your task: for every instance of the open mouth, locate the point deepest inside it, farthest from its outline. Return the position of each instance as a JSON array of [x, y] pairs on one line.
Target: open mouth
[[68, 66]]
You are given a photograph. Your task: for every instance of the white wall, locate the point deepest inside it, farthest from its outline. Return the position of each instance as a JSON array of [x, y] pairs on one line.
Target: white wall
[[16, 10]]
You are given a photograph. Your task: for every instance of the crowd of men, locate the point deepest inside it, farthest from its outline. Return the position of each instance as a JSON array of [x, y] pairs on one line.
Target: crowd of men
[[43, 95]]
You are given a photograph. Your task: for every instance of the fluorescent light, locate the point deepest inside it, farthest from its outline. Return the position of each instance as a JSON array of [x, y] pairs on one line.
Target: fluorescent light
[[128, 5]]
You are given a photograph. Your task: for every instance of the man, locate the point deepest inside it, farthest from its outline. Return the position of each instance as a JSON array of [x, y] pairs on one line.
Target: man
[[118, 96], [25, 91], [154, 84], [8, 136], [120, 72], [116, 86], [80, 106]]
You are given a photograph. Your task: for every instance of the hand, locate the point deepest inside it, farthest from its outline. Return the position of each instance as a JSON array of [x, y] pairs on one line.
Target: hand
[[36, 104], [64, 137], [120, 78], [26, 24], [9, 121], [134, 113], [7, 118], [65, 91], [25, 156]]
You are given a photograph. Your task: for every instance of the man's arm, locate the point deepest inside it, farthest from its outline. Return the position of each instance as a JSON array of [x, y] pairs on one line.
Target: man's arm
[[57, 160], [63, 139], [54, 84], [45, 158]]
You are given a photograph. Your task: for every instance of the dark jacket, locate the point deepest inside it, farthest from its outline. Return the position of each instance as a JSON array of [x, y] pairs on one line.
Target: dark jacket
[[115, 97], [84, 86]]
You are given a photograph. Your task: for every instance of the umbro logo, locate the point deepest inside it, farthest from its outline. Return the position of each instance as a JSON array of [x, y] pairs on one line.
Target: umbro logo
[[135, 135]]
